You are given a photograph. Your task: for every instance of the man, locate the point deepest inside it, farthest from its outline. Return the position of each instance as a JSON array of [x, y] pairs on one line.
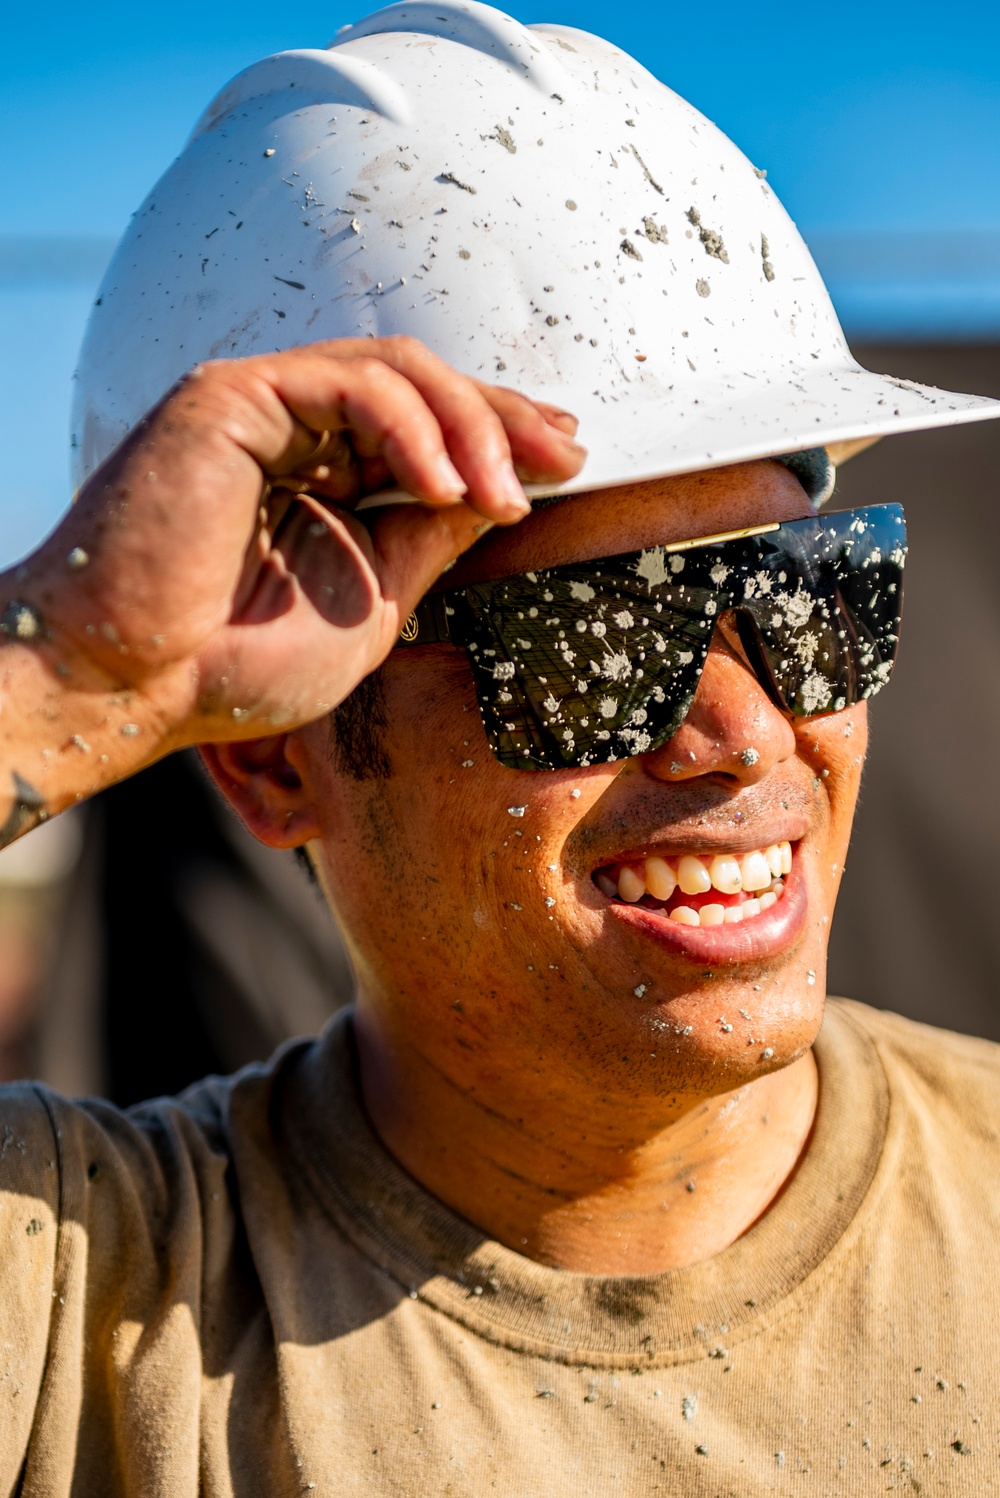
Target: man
[[581, 1197]]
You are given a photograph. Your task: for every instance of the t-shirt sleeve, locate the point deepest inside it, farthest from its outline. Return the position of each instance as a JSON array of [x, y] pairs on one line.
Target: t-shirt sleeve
[[29, 1219], [104, 1219]]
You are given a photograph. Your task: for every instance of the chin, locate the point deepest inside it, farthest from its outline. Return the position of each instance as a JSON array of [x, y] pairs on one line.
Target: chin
[[732, 1032]]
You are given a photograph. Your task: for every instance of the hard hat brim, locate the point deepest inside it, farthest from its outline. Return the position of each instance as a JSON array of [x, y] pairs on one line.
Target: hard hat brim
[[844, 410]]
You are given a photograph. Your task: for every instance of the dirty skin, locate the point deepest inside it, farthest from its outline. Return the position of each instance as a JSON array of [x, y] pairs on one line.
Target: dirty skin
[[27, 810]]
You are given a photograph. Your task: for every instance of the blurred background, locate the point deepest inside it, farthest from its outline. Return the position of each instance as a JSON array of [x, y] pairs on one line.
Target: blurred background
[[145, 939]]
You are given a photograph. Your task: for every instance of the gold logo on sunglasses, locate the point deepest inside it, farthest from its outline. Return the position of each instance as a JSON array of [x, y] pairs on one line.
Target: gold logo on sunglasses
[[410, 630]]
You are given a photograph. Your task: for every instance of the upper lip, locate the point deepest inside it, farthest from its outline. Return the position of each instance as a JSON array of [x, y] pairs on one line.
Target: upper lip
[[746, 840]]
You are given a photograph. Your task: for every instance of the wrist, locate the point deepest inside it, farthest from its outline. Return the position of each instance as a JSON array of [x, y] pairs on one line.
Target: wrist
[[68, 726]]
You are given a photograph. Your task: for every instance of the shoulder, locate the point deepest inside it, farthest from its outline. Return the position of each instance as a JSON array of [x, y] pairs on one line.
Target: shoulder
[[29, 1241], [29, 1177], [953, 1077], [168, 1148], [111, 1168]]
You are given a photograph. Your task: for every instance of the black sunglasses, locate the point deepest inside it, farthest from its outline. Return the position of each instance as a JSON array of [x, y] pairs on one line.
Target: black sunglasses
[[597, 661]]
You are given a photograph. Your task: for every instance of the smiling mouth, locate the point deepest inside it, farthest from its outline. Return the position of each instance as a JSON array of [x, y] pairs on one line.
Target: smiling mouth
[[693, 890]]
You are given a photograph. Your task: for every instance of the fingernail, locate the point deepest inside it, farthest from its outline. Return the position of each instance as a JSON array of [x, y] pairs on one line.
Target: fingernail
[[449, 476], [510, 487]]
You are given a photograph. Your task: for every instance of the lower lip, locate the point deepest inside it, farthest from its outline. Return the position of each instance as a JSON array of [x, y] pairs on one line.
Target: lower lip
[[765, 935]]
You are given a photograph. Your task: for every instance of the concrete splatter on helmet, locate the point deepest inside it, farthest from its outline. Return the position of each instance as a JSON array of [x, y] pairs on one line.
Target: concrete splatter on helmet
[[528, 201]]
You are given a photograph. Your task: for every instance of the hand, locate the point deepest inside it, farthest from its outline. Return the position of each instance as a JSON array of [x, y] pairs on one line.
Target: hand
[[209, 615]]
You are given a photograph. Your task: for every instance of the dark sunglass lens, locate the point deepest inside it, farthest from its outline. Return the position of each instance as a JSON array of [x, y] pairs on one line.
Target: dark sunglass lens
[[826, 605], [869, 563], [578, 667]]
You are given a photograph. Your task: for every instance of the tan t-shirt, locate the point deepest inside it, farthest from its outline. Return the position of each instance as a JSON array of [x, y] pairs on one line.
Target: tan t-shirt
[[240, 1293]]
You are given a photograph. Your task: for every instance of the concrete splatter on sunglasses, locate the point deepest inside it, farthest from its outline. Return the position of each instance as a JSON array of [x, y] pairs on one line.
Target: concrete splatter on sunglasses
[[597, 661]]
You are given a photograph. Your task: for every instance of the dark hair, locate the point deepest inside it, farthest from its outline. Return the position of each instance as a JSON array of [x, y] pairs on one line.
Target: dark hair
[[357, 732], [357, 743]]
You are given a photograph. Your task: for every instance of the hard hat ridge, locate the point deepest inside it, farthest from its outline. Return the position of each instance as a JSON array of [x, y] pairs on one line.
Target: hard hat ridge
[[529, 202], [473, 25], [319, 77]]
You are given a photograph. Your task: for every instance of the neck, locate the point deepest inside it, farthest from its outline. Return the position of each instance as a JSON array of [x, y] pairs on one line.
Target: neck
[[589, 1183]]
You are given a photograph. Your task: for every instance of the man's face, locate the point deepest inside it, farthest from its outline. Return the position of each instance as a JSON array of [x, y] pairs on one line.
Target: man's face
[[480, 932]]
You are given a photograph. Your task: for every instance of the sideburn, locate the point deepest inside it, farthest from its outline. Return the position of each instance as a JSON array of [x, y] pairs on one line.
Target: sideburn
[[357, 744]]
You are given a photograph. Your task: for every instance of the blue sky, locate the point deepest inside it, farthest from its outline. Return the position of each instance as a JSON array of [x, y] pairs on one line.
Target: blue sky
[[878, 114], [873, 118]]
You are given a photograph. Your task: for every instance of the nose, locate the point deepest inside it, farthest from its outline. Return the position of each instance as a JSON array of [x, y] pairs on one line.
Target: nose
[[732, 728]]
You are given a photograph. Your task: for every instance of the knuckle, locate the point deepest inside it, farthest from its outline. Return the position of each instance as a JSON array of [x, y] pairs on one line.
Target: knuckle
[[491, 424], [407, 347], [206, 369], [232, 377], [516, 404], [373, 371]]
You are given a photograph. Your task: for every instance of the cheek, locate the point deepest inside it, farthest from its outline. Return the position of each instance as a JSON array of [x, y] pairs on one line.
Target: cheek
[[427, 841], [843, 745], [460, 849], [834, 747]]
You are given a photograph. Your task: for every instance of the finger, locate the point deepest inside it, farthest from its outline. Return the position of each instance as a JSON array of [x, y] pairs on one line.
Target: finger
[[381, 409], [473, 433], [541, 437], [557, 417], [235, 397], [396, 433], [538, 450], [412, 548], [336, 471], [414, 360], [438, 432], [375, 474]]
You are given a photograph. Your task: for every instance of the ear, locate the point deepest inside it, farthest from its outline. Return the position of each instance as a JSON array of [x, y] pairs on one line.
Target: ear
[[262, 779]]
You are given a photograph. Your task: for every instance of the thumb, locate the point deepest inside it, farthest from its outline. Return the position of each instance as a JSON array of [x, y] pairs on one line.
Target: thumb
[[414, 545]]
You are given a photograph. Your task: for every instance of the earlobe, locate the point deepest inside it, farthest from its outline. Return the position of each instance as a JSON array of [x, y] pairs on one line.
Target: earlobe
[[261, 781]]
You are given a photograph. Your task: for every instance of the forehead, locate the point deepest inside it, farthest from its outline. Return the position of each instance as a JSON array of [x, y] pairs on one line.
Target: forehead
[[609, 521]]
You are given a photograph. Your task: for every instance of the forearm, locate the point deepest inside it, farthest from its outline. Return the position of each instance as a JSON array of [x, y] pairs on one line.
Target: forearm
[[67, 728]]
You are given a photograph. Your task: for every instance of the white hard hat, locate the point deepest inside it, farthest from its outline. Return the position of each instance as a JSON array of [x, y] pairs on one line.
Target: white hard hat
[[529, 202]]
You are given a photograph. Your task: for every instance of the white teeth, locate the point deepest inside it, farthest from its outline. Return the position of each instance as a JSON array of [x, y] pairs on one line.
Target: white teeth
[[725, 874], [630, 886], [693, 877], [754, 870], [760, 871], [661, 881]]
